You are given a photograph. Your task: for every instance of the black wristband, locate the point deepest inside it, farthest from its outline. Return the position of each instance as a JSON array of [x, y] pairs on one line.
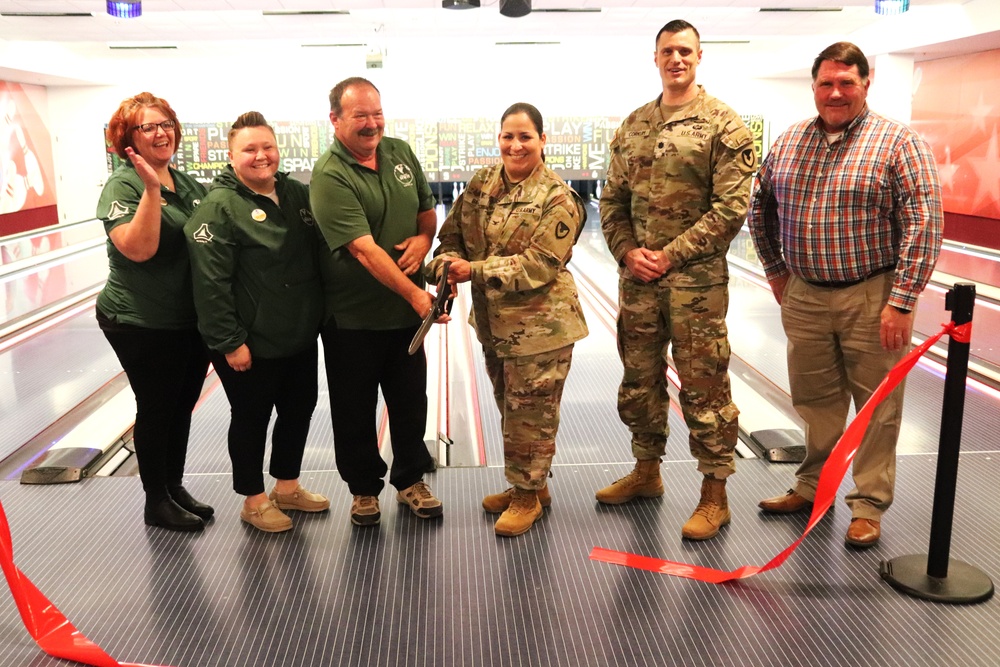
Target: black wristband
[[904, 311]]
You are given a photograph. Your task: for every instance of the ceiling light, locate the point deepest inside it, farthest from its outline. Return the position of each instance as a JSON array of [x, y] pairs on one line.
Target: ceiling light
[[459, 4], [124, 10], [889, 7], [515, 8]]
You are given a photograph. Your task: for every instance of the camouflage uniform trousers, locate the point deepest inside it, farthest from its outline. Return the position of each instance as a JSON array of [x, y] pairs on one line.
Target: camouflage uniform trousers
[[691, 320], [527, 391]]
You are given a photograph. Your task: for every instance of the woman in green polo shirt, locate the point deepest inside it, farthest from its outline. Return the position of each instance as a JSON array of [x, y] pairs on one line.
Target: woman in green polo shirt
[[254, 254], [146, 309]]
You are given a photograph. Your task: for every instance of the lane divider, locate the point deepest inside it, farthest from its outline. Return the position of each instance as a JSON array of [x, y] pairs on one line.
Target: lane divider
[[50, 629], [830, 477], [466, 351]]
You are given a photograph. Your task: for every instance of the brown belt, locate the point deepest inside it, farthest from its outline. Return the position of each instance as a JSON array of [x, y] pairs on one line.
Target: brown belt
[[840, 284]]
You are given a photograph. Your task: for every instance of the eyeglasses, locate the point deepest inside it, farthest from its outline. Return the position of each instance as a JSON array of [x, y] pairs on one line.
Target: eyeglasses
[[150, 128]]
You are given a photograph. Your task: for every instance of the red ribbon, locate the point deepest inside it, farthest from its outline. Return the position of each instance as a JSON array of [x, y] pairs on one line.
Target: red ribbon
[[47, 625], [961, 333], [830, 478]]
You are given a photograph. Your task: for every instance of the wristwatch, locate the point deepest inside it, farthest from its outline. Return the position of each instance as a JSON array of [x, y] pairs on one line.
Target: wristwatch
[[904, 311]]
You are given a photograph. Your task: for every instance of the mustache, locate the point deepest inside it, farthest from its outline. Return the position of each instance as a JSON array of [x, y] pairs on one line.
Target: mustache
[[368, 132]]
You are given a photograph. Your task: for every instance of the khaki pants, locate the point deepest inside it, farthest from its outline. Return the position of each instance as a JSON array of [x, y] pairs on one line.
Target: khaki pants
[[834, 355]]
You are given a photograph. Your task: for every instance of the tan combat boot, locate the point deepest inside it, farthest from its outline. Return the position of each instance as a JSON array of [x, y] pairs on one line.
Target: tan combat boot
[[498, 502], [524, 510], [712, 512], [644, 481]]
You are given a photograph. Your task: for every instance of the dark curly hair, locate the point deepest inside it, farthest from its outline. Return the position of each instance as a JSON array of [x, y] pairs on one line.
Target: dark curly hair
[[119, 132]]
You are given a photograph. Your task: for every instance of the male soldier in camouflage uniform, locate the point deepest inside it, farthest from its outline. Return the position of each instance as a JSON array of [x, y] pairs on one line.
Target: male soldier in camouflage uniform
[[677, 191]]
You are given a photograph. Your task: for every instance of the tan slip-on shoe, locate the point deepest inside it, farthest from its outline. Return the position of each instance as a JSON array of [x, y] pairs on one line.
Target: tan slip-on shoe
[[266, 517], [301, 500]]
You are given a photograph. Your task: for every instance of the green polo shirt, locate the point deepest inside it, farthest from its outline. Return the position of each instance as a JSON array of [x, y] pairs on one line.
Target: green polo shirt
[[349, 201], [156, 293]]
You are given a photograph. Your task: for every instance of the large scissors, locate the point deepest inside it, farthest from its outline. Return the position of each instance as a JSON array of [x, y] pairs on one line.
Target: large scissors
[[442, 305]]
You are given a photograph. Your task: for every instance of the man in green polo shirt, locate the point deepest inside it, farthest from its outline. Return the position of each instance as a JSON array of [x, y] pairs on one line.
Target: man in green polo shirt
[[375, 211]]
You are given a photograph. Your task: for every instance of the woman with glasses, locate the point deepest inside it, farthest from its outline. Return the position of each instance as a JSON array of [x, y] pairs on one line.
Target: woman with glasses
[[510, 234], [146, 309], [257, 289]]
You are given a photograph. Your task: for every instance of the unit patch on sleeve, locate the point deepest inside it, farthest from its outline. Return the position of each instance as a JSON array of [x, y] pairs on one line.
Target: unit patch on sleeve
[[117, 211], [202, 235]]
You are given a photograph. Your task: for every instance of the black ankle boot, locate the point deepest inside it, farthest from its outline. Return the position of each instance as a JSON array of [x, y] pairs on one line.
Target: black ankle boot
[[187, 501], [168, 514]]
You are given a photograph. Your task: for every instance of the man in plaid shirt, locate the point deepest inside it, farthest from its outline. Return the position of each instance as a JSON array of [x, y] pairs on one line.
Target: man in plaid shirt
[[846, 218]]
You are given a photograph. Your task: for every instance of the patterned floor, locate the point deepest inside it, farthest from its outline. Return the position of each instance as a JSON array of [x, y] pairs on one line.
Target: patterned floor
[[448, 592]]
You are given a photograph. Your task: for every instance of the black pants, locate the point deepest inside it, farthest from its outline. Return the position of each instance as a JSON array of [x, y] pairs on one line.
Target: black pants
[[358, 362], [167, 371], [287, 385]]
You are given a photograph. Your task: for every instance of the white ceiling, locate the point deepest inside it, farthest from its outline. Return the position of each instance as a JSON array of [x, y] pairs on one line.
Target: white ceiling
[[193, 26]]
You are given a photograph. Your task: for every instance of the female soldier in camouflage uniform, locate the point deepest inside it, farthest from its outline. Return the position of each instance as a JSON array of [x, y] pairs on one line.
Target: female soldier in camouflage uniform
[[511, 233]]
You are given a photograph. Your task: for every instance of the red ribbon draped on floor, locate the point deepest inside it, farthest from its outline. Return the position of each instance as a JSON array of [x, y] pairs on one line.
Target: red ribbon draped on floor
[[829, 479], [46, 624]]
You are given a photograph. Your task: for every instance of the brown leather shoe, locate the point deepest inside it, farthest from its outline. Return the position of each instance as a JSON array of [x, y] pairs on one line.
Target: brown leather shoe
[[789, 503], [863, 533]]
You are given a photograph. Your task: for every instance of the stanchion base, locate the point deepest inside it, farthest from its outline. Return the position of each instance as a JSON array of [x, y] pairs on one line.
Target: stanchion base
[[964, 584]]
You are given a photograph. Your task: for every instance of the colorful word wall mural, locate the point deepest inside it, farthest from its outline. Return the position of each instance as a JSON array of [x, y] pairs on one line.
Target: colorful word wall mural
[[449, 150]]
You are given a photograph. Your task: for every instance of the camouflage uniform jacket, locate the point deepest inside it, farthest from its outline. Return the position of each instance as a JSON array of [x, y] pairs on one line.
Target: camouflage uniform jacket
[[679, 184], [518, 242]]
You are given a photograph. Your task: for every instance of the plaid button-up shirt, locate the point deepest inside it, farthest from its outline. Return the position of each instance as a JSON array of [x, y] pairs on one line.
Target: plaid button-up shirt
[[841, 212]]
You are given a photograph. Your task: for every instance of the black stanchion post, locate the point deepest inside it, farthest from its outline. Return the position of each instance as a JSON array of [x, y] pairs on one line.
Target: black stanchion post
[[935, 576]]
